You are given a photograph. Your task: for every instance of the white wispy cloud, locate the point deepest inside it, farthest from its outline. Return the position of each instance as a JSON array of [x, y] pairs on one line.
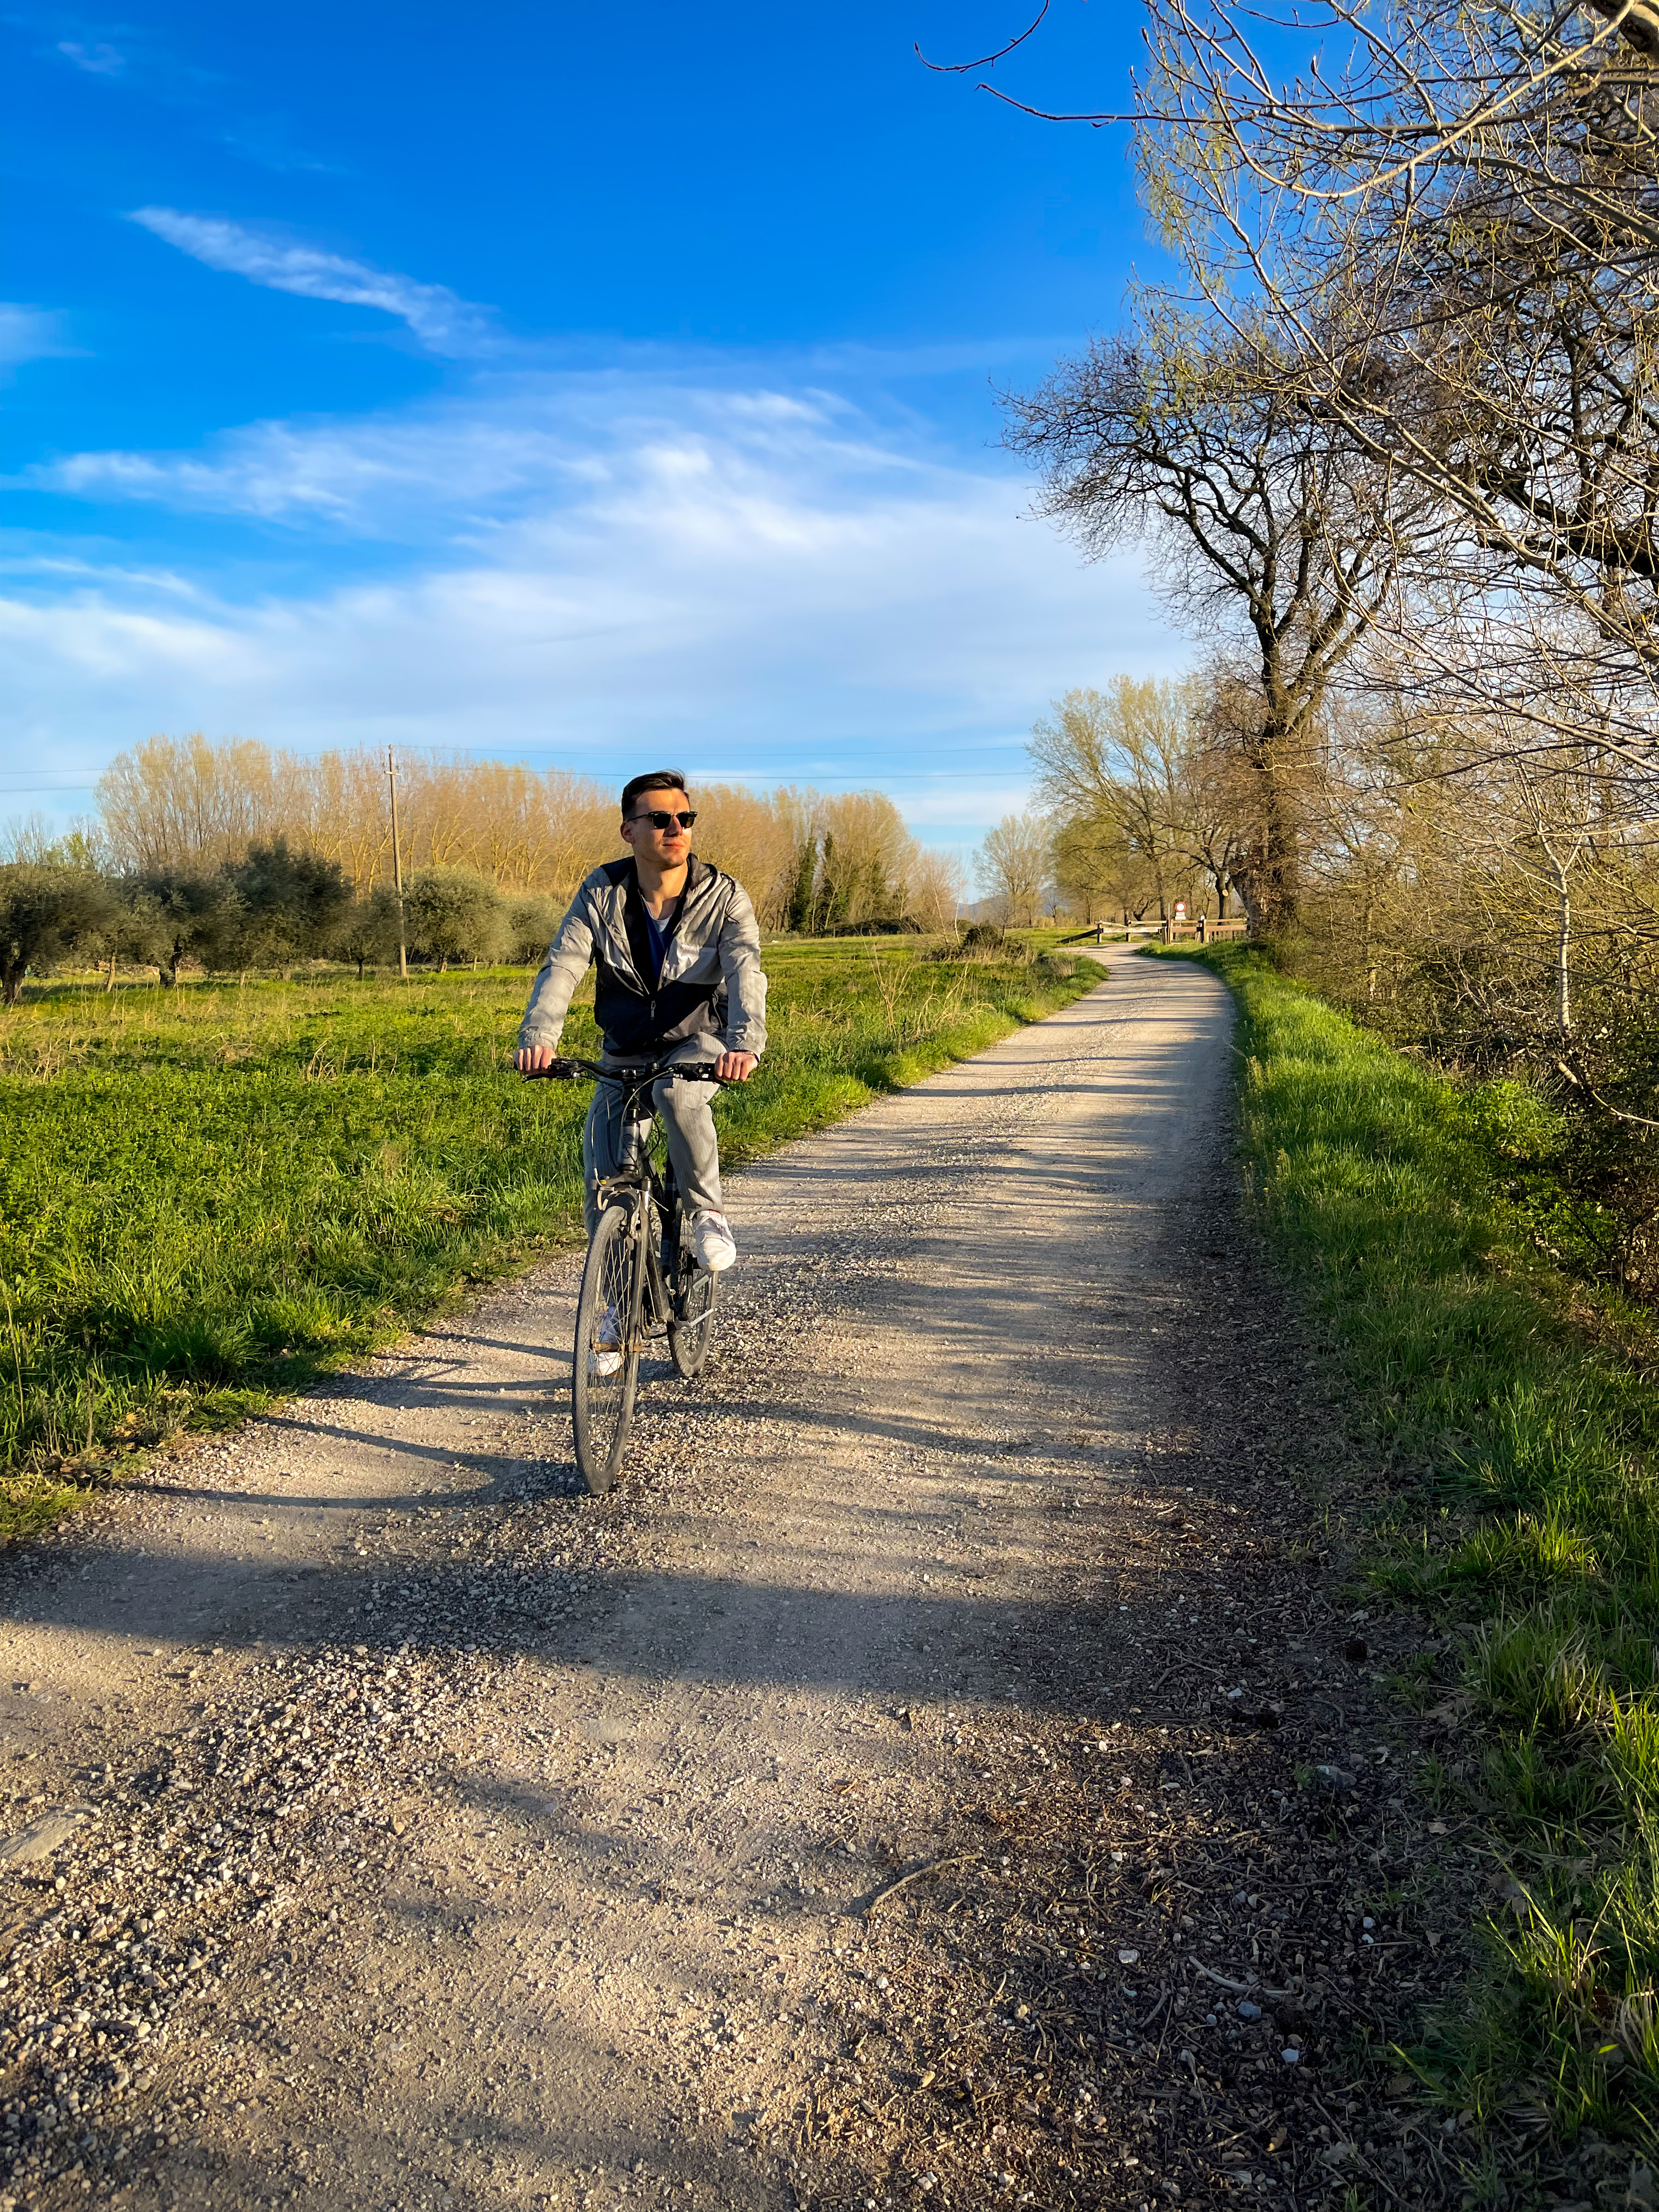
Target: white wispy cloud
[[442, 321], [31, 334], [148, 64], [99, 59], [515, 447], [601, 565], [391, 477]]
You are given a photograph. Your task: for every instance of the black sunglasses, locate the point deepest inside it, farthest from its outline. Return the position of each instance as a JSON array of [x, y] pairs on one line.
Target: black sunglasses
[[660, 818]]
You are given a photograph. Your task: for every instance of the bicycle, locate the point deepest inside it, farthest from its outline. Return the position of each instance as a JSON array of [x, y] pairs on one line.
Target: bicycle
[[640, 1281]]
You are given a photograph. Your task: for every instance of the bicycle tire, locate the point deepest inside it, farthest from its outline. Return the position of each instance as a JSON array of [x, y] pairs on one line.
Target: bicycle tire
[[691, 1333], [602, 1406]]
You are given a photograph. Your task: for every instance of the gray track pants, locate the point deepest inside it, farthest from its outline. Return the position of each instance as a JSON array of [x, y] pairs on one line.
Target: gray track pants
[[688, 1125]]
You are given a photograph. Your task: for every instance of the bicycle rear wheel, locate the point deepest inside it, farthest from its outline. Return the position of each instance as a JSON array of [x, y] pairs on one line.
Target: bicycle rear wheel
[[607, 1329], [691, 1331]]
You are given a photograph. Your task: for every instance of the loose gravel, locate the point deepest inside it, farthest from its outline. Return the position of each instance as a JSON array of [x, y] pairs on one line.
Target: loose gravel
[[946, 1771]]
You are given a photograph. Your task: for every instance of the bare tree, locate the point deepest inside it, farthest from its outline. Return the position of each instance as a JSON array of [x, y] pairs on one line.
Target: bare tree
[[865, 853], [1121, 760], [1155, 779], [1429, 233], [934, 888], [1260, 521], [1014, 863], [185, 803], [1449, 218]]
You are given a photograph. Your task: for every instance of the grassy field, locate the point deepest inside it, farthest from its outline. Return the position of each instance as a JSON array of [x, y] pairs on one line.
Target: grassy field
[[209, 1196], [1522, 1425]]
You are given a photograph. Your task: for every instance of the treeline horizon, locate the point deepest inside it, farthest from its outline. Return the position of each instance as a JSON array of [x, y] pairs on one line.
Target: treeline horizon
[[808, 858], [236, 857]]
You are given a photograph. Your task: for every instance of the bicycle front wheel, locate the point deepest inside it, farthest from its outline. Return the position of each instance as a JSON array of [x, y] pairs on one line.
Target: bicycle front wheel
[[605, 1372]]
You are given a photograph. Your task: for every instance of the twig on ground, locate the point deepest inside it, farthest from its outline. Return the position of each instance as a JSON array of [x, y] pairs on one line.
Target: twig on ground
[[956, 1858], [1239, 1989]]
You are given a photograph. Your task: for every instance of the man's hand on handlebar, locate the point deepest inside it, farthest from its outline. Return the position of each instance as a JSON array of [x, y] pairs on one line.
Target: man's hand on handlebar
[[539, 1058]]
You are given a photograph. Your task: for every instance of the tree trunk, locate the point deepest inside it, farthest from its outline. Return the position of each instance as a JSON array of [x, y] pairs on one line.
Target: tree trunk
[[1270, 881], [1563, 951]]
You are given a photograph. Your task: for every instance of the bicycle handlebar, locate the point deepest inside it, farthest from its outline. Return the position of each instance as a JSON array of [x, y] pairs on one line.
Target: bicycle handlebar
[[577, 1071]]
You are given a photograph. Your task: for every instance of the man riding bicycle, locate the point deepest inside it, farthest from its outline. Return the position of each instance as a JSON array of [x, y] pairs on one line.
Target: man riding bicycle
[[678, 956]]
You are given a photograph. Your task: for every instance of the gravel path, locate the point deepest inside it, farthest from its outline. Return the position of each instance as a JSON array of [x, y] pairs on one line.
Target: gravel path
[[392, 1825]]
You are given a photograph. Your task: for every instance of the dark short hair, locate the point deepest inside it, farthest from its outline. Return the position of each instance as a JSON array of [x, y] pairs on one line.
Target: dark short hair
[[662, 779]]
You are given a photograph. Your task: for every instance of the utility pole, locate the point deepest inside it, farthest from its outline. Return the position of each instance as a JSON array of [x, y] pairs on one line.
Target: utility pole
[[397, 867]]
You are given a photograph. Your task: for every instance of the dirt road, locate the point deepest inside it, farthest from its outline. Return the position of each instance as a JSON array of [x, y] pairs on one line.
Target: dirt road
[[393, 1827]]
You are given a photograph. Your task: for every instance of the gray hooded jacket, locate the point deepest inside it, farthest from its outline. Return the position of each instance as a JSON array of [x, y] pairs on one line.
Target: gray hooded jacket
[[711, 984]]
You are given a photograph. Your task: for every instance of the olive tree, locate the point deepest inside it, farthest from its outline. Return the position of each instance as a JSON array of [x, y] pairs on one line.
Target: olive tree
[[49, 911], [531, 925], [173, 913], [367, 931], [454, 914], [288, 905]]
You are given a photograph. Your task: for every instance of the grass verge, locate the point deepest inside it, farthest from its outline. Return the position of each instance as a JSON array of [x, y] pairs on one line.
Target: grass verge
[[1520, 1428], [208, 1196]]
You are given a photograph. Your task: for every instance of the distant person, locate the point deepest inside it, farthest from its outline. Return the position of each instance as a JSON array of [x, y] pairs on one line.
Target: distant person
[[678, 956]]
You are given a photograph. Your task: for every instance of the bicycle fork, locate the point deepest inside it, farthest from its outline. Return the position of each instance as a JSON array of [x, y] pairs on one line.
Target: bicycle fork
[[651, 1299]]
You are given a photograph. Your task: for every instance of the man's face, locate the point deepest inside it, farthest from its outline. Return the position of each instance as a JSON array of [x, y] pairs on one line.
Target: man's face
[[669, 846]]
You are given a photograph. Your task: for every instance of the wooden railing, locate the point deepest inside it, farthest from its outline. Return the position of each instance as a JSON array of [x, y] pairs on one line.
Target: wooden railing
[[1167, 933], [1206, 931]]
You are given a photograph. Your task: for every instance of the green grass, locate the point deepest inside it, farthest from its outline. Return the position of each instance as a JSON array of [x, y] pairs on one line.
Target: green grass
[[1522, 1433], [211, 1195]]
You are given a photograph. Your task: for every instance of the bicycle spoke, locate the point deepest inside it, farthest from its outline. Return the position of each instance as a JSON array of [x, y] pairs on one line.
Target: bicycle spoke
[[605, 1375], [691, 1335]]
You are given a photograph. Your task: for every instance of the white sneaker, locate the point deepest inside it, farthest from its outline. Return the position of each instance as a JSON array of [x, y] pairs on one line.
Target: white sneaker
[[712, 1241], [606, 1357]]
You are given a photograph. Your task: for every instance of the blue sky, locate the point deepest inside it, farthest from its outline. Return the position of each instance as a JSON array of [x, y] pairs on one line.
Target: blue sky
[[575, 384]]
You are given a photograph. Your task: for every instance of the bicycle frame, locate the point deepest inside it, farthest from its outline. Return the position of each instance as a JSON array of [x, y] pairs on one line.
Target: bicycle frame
[[638, 1183]]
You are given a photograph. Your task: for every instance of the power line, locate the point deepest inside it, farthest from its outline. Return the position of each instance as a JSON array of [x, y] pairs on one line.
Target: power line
[[11, 782]]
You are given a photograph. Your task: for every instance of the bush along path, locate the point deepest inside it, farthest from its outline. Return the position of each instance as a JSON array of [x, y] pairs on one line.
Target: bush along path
[[1512, 1423], [949, 1768]]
